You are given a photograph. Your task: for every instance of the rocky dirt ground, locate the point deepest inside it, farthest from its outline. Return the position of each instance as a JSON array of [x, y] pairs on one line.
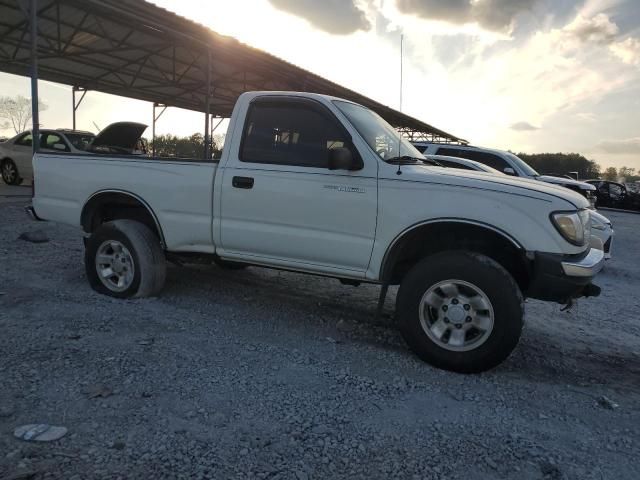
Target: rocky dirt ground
[[265, 374]]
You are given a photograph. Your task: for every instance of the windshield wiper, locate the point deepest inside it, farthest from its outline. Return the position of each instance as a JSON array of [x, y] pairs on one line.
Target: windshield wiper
[[431, 161], [405, 160]]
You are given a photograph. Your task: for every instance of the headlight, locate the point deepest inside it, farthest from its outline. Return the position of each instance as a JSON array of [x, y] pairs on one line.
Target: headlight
[[575, 227]]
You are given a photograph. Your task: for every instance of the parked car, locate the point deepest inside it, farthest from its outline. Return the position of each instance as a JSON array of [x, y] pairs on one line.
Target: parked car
[[120, 138], [319, 185], [615, 195], [16, 153], [463, 164], [601, 227], [505, 162]]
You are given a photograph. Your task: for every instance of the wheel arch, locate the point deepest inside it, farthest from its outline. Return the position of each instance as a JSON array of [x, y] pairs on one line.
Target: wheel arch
[[424, 238], [107, 205]]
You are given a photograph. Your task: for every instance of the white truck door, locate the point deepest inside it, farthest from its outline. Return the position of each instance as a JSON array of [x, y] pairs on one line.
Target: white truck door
[[280, 202]]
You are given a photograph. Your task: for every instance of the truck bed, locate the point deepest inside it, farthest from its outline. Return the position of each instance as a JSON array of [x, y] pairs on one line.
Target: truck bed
[[178, 191]]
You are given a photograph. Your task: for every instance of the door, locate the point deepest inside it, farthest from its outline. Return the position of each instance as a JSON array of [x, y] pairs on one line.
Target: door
[[22, 154], [281, 203]]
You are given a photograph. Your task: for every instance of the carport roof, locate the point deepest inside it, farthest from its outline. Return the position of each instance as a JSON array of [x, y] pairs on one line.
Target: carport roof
[[136, 49]]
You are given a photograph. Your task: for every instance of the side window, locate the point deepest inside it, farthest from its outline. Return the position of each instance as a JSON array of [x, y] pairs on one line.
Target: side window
[[25, 140], [449, 152], [289, 133], [489, 159], [48, 140], [420, 148], [615, 191], [603, 188]]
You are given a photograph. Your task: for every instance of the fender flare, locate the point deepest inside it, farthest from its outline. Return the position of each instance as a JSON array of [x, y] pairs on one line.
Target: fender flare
[[96, 198], [391, 253]]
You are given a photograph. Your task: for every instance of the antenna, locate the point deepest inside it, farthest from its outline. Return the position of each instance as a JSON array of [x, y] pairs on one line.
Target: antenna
[[399, 171]]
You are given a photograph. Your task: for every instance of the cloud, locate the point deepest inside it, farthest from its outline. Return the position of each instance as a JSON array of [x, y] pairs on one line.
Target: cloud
[[597, 29], [338, 17], [523, 127], [624, 146], [453, 11], [495, 15], [499, 15], [627, 50], [587, 116]]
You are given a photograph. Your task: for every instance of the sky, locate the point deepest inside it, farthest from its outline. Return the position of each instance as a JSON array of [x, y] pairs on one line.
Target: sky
[[525, 75]]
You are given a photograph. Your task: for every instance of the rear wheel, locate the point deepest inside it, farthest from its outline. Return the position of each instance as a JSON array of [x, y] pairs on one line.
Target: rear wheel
[[10, 173], [460, 311], [124, 259]]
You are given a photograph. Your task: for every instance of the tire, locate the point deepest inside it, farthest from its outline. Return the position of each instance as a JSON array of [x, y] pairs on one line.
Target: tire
[[125, 246], [487, 311], [229, 265], [10, 173]]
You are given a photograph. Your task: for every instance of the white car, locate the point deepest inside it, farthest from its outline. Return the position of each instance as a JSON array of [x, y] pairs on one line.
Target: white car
[[505, 162], [319, 185], [601, 228], [463, 164], [16, 153]]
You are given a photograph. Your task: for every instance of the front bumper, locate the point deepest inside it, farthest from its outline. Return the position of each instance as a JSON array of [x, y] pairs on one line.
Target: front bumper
[[560, 278], [588, 267]]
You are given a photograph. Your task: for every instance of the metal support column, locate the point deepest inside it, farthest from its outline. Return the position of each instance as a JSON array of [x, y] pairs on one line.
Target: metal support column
[[35, 117], [77, 104], [153, 125], [214, 127], [207, 113]]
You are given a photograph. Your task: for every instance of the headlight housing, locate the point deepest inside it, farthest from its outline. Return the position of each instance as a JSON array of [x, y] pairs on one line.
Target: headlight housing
[[575, 227]]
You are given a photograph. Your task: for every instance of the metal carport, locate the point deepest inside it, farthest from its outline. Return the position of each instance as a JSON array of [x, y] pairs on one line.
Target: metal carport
[[135, 49]]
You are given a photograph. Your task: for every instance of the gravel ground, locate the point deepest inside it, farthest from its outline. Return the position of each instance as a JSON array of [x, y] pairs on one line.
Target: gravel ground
[[265, 374]]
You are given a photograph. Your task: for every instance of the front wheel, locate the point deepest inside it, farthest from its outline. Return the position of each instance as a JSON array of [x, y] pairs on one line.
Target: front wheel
[[10, 173], [124, 259], [460, 311]]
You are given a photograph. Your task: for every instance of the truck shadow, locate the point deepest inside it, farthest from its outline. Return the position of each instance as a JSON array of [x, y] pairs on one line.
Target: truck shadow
[[539, 357]]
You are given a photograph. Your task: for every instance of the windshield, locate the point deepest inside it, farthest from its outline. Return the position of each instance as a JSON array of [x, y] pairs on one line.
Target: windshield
[[528, 171], [80, 140], [381, 137]]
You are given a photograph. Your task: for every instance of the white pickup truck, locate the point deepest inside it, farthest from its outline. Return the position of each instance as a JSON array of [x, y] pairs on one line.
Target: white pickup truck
[[324, 186]]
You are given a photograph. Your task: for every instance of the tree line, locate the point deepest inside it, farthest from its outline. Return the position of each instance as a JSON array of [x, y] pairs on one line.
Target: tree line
[[185, 147], [568, 163]]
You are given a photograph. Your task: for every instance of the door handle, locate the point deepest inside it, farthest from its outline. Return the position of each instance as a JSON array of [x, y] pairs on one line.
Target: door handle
[[242, 182]]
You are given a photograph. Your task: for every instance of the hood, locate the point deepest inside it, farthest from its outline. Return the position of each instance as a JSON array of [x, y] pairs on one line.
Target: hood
[[484, 180], [121, 135], [568, 182]]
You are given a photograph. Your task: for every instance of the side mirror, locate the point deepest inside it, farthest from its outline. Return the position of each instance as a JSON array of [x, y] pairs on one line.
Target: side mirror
[[341, 158], [509, 171], [59, 146]]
